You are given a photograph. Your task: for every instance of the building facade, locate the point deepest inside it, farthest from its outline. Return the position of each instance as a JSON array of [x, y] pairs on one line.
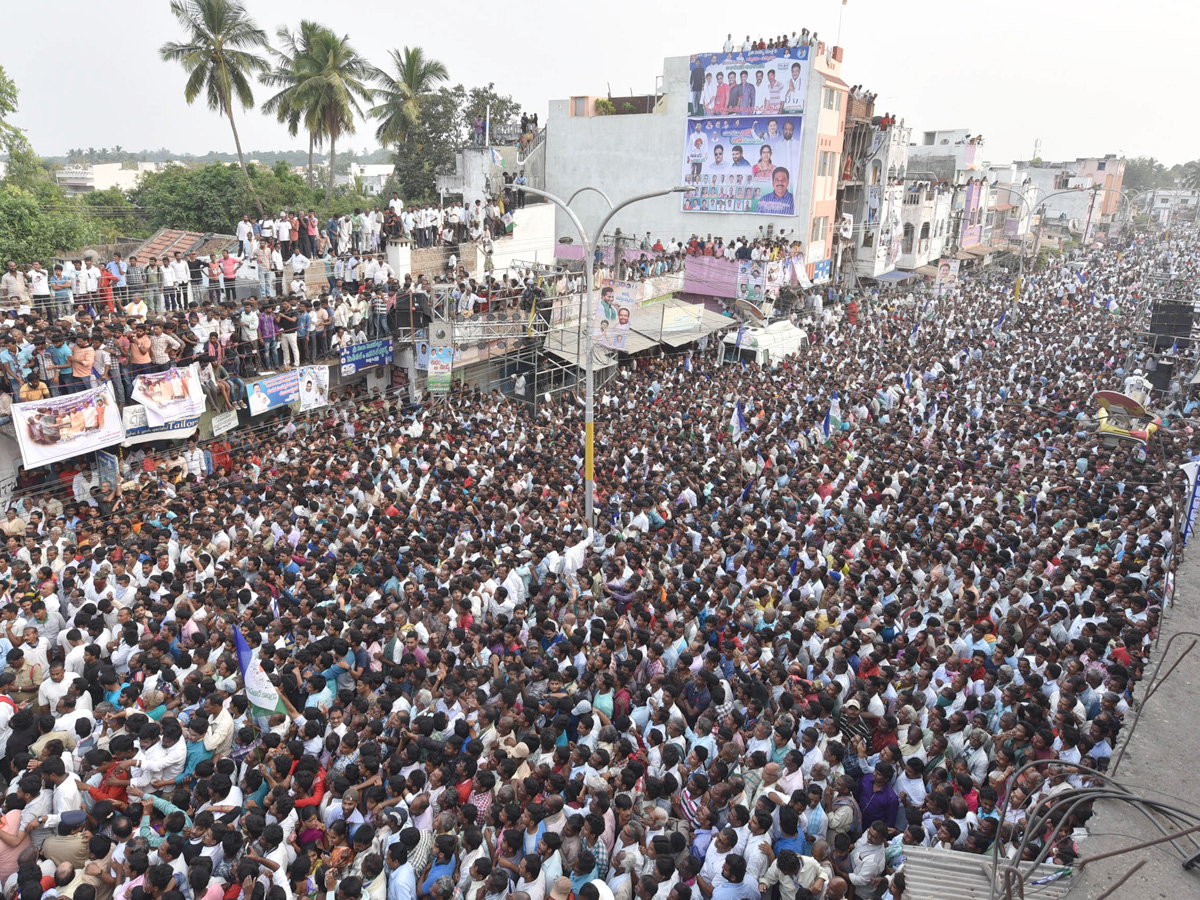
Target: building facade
[[637, 152]]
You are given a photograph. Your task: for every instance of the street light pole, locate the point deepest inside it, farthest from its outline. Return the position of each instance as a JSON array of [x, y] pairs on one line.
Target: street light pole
[[589, 416]]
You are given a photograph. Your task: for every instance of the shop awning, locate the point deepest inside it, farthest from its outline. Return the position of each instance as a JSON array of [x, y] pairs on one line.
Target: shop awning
[[636, 342], [926, 270], [894, 275], [564, 346]]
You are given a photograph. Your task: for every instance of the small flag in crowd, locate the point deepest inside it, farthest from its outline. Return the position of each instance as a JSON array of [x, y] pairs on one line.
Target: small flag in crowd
[[932, 417], [687, 362], [908, 380], [738, 421], [259, 690], [1175, 347]]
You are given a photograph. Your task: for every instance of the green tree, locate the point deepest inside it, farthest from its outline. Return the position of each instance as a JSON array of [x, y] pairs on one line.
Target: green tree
[[214, 197], [431, 144], [1144, 173], [1191, 174], [504, 110], [10, 135], [293, 65], [403, 89], [31, 230], [220, 55]]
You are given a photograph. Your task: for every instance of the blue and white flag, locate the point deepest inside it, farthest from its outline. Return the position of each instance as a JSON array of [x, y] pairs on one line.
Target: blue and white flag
[[912, 338], [738, 421], [908, 380], [687, 362], [1080, 277], [825, 426], [259, 690], [1175, 348], [932, 417], [1000, 322], [497, 159], [741, 332]]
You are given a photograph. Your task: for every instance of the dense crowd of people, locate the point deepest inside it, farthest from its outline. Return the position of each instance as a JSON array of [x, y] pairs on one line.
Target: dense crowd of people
[[827, 609]]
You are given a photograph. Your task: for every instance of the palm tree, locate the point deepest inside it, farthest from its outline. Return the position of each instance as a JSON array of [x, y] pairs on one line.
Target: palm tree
[[1191, 174], [329, 83], [220, 59], [412, 76], [293, 64]]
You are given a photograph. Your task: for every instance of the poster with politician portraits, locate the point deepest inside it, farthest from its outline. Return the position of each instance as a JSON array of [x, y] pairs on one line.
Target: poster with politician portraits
[[742, 164], [758, 82]]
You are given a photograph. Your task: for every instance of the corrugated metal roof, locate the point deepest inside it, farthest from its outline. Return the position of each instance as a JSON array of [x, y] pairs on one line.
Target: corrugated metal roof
[[932, 874]]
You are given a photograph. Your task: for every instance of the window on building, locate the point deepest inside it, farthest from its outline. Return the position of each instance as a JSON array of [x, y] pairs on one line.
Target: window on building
[[906, 242], [819, 227], [829, 92]]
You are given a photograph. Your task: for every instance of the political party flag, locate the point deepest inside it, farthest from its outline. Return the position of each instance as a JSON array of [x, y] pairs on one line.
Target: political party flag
[[746, 492], [908, 380], [259, 690], [687, 362], [932, 417], [738, 421], [741, 332], [827, 424], [497, 159], [794, 566], [1000, 322], [1175, 347]]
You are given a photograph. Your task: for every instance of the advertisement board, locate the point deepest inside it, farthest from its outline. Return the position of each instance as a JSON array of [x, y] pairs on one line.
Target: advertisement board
[[357, 357], [58, 428], [441, 366], [224, 422], [138, 430], [742, 164]]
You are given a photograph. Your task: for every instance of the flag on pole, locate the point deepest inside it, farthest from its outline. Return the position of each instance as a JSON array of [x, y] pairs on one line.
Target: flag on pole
[[746, 492], [908, 380], [687, 362], [1000, 322], [259, 690], [497, 159], [826, 425], [741, 332], [1175, 347], [738, 421]]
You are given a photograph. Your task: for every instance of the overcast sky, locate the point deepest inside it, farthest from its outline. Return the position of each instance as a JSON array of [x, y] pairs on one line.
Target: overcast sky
[[1086, 78]]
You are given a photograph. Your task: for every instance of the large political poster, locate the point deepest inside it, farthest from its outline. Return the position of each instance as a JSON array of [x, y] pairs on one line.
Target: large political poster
[[273, 392], [441, 367], [314, 387], [614, 313], [58, 428], [742, 164], [171, 395], [751, 280], [755, 81]]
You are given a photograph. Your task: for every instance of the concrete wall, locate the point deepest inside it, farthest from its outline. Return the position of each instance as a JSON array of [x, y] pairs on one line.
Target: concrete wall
[[634, 154]]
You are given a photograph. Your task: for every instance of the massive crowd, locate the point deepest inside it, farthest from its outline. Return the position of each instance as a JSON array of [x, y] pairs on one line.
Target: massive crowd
[[784, 653]]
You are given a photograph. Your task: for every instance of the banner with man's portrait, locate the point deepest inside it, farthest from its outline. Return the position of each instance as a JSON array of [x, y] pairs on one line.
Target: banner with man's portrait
[[749, 83], [742, 164], [614, 313], [58, 428]]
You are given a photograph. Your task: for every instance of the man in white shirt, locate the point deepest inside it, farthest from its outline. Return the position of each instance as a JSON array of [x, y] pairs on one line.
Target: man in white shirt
[[244, 232]]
